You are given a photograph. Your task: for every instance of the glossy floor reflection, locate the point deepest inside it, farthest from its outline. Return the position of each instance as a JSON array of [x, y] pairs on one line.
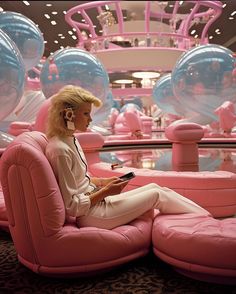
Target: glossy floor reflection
[[210, 159]]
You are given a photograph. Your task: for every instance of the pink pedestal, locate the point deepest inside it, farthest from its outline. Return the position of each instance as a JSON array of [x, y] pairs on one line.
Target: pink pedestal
[[184, 148]]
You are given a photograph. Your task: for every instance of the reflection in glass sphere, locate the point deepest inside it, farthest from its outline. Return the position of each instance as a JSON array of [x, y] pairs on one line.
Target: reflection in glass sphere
[[12, 74], [75, 66], [164, 97], [25, 34], [203, 79]]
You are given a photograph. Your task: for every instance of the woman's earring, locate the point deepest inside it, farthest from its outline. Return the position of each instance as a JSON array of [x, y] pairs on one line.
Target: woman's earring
[[69, 115], [70, 125]]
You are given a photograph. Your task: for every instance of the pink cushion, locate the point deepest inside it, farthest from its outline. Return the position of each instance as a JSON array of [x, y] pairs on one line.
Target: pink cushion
[[201, 246], [20, 125], [36, 217], [189, 132]]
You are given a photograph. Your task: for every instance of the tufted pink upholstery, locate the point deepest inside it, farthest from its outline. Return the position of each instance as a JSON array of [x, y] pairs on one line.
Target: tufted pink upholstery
[[43, 241], [198, 246], [3, 211]]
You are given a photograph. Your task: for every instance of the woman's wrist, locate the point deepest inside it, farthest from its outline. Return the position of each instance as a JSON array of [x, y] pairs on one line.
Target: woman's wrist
[[98, 196], [100, 182]]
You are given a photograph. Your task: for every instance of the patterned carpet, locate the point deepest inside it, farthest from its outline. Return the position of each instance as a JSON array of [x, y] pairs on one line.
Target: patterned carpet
[[146, 275]]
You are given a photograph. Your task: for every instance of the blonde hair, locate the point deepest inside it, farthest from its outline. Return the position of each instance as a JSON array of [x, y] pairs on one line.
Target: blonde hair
[[68, 97]]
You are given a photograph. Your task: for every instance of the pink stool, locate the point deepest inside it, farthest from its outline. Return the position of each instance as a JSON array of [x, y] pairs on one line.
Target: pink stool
[[184, 148], [199, 247]]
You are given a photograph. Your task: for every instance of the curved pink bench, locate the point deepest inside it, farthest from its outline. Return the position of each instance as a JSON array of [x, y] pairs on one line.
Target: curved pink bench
[[200, 247], [36, 216], [215, 191]]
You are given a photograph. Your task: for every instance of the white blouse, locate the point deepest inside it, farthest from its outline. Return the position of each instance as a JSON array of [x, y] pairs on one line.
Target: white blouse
[[70, 168]]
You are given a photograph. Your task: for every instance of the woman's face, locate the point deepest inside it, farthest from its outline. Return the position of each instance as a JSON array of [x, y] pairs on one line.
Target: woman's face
[[82, 117]]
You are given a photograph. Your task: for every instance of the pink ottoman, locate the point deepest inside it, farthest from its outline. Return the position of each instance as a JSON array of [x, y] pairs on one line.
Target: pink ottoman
[[200, 247]]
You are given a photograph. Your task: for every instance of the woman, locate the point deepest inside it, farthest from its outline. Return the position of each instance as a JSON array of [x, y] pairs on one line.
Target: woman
[[94, 201]]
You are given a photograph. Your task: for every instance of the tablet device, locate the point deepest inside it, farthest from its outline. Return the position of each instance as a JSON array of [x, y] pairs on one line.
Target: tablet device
[[127, 176]]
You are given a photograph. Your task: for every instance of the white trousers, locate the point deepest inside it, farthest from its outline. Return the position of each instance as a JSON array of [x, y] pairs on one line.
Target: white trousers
[[120, 209]]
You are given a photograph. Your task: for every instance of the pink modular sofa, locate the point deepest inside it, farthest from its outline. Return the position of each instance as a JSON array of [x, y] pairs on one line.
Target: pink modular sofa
[[197, 246], [44, 242]]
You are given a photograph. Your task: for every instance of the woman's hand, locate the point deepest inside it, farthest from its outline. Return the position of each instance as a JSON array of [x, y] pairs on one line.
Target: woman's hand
[[115, 186], [106, 181], [102, 182]]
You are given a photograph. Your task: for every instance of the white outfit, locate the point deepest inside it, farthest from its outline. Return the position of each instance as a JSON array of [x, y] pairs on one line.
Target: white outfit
[[69, 165]]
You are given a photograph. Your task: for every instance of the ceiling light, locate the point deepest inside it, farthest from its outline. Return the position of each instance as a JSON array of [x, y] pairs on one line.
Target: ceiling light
[[231, 18], [47, 16], [26, 3], [64, 11], [55, 41], [49, 4], [193, 32], [54, 12], [233, 13], [53, 22], [74, 37], [224, 5], [211, 37], [146, 74], [123, 81], [70, 32]]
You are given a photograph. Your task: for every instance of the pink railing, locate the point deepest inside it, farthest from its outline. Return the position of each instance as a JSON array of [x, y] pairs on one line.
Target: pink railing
[[81, 18]]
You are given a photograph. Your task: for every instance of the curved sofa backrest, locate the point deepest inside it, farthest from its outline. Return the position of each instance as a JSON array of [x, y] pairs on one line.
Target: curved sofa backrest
[[33, 200]]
